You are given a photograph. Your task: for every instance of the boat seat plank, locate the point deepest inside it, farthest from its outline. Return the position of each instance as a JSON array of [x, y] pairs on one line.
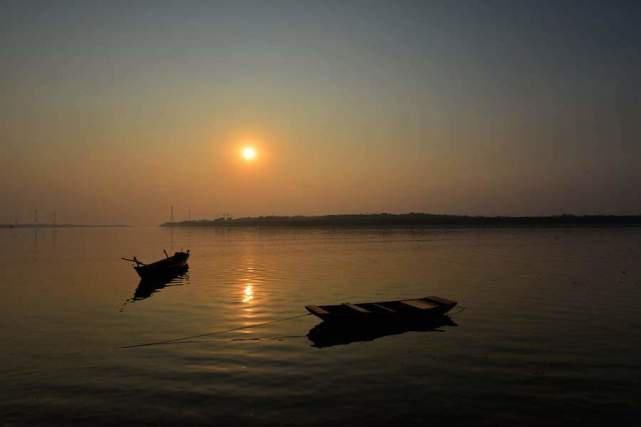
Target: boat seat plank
[[391, 310], [356, 308], [440, 300], [316, 310], [419, 304]]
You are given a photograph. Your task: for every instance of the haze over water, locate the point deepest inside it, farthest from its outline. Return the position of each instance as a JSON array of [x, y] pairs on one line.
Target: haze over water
[[112, 112], [550, 332]]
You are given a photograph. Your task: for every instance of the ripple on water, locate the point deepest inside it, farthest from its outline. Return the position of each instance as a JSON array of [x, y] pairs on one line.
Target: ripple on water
[[550, 333]]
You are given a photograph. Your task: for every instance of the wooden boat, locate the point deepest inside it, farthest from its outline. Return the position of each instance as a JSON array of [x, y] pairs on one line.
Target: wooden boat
[[397, 310], [167, 267]]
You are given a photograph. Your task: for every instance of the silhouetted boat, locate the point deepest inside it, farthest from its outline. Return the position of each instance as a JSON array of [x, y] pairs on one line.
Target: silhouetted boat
[[327, 334], [167, 267], [384, 311]]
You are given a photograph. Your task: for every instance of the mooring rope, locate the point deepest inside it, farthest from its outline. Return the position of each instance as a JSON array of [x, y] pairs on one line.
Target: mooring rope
[[182, 340], [209, 334]]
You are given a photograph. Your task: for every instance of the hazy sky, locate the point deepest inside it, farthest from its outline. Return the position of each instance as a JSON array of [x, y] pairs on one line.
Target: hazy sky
[[113, 111]]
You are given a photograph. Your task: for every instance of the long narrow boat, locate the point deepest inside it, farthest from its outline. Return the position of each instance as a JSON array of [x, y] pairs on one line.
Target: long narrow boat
[[397, 310], [171, 265]]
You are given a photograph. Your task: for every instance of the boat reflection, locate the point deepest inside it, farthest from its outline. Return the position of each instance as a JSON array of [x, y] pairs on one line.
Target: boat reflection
[[328, 334], [147, 287]]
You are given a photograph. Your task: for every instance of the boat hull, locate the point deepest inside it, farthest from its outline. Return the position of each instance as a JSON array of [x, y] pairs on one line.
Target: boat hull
[[164, 268]]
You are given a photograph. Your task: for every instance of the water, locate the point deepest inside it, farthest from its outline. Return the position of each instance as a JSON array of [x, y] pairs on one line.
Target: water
[[550, 334]]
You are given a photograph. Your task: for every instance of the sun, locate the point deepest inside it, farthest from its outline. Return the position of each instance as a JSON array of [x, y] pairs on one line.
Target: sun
[[248, 153]]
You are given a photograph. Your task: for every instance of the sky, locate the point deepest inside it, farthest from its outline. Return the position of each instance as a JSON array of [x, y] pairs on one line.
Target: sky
[[111, 112]]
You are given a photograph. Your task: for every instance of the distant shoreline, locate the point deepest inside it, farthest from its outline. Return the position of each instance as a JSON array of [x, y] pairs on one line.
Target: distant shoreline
[[416, 220]]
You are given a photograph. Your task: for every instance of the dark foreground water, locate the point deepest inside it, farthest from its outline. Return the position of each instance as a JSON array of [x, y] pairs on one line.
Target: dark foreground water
[[550, 334]]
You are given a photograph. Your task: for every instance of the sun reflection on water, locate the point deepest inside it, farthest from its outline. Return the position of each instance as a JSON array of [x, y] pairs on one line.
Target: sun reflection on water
[[248, 293]]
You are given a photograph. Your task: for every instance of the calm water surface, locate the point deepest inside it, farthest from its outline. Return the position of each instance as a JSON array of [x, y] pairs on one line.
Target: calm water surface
[[550, 333]]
